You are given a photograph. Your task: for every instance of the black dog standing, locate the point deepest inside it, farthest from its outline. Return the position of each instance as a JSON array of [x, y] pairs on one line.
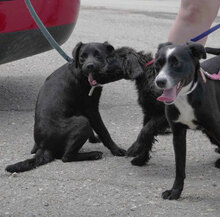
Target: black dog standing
[[66, 115], [126, 63], [190, 101]]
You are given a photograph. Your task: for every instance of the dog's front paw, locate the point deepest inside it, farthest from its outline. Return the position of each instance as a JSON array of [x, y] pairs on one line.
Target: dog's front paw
[[65, 159], [118, 152], [94, 139], [138, 162], [134, 150], [217, 150], [172, 194]]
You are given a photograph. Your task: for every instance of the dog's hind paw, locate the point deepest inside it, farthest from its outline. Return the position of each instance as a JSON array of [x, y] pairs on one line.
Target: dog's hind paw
[[97, 155], [172, 194], [217, 163], [10, 169], [138, 162], [118, 152]]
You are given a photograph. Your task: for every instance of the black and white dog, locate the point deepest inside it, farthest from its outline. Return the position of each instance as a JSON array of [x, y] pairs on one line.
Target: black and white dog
[[65, 114], [190, 101]]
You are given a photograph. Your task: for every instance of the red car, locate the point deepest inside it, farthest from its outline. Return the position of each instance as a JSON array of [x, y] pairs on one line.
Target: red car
[[20, 36]]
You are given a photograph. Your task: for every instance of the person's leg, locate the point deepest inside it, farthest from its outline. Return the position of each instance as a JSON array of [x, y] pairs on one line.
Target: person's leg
[[194, 17]]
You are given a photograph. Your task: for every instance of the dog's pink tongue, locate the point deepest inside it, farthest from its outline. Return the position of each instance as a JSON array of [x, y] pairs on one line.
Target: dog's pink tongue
[[91, 80], [169, 95]]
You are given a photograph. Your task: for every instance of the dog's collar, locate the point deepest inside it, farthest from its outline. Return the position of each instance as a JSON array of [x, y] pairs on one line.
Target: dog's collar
[[192, 88], [149, 63], [195, 83]]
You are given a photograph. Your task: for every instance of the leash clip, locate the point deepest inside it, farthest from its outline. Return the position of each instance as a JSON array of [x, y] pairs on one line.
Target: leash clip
[[91, 90]]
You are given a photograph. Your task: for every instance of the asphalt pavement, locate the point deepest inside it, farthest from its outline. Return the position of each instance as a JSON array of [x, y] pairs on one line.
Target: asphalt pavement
[[110, 186]]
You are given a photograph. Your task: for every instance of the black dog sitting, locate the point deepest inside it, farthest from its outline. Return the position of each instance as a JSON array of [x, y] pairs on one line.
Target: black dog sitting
[[126, 63], [66, 115], [190, 101]]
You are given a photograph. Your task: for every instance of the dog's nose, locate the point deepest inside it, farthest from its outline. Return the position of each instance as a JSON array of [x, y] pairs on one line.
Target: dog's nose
[[161, 82], [90, 66]]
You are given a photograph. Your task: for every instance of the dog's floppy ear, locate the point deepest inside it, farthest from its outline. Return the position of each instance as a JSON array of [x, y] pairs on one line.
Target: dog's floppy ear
[[163, 45], [109, 47], [197, 50], [132, 67], [75, 54]]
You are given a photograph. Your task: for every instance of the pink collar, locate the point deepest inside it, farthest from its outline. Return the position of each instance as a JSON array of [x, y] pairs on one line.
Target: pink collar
[[150, 62]]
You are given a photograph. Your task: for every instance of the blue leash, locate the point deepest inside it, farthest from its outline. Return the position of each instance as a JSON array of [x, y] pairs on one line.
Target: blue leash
[[55, 45], [204, 34], [197, 38], [45, 32]]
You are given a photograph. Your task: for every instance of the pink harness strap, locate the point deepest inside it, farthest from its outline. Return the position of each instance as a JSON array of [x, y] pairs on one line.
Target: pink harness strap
[[212, 76]]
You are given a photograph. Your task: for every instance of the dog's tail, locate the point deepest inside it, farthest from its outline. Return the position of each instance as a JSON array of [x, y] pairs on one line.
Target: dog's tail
[[42, 157], [211, 50]]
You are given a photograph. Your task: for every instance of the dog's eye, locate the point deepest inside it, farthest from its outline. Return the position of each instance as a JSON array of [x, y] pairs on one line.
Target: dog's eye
[[109, 59], [174, 62], [97, 55], [83, 57]]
